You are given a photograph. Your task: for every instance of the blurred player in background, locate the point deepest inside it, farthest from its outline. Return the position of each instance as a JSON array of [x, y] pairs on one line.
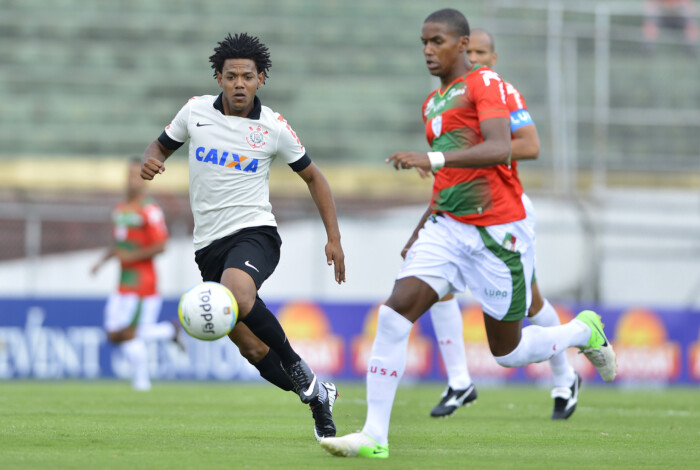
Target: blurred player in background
[[233, 141], [671, 14], [131, 313], [475, 234], [446, 315]]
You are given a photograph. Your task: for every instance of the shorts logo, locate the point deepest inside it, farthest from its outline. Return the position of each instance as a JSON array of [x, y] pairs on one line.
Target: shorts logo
[[247, 263], [495, 293], [229, 160], [256, 138], [509, 242]]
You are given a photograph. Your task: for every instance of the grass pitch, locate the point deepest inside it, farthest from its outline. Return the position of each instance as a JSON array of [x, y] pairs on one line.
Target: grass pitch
[[106, 425]]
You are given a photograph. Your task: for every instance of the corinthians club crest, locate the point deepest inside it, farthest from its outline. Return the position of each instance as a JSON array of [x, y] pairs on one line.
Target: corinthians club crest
[[256, 138]]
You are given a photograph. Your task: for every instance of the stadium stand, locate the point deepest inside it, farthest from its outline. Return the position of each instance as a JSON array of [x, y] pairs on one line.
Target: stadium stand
[[100, 78]]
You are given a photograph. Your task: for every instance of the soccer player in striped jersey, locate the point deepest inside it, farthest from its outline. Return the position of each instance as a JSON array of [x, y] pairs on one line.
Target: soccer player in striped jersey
[[475, 234], [233, 141], [131, 313], [446, 315]]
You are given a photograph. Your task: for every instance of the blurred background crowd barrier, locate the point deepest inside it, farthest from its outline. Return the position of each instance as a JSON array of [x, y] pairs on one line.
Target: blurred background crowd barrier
[[86, 84]]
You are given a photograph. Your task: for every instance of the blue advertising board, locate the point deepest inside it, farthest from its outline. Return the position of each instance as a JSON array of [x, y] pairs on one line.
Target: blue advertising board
[[48, 338]]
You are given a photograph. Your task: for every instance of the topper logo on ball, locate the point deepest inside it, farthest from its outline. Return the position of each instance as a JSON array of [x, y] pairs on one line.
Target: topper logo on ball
[[205, 306]]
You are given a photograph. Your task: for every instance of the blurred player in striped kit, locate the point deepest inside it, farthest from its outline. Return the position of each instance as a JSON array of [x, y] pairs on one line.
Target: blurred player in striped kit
[[131, 313]]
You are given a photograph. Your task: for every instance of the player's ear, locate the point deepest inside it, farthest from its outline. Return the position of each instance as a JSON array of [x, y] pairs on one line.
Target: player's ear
[[261, 79], [463, 43], [495, 58], [218, 79]]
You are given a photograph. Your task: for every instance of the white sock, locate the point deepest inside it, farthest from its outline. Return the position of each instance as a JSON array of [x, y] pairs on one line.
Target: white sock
[[384, 371], [136, 353], [447, 323], [156, 331], [539, 343], [562, 371]]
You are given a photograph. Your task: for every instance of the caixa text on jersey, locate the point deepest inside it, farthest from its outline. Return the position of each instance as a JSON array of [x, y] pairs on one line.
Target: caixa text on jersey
[[226, 159]]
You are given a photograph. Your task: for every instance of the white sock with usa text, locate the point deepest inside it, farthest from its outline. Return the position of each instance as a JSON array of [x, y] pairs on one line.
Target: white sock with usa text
[[385, 368]]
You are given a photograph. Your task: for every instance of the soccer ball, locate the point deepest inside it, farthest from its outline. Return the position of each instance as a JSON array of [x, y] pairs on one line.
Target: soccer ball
[[208, 311]]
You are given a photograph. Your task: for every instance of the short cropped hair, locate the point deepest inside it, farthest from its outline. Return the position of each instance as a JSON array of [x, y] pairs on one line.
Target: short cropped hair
[[488, 35], [454, 19], [241, 46]]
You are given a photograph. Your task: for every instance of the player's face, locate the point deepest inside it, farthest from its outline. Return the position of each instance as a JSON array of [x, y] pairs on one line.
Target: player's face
[[240, 80], [443, 49], [480, 50]]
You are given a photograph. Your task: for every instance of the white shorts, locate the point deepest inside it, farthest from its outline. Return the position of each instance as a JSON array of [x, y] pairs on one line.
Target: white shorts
[[127, 309], [495, 262]]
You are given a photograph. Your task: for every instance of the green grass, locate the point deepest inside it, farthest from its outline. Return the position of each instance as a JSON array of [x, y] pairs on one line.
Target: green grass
[[105, 425]]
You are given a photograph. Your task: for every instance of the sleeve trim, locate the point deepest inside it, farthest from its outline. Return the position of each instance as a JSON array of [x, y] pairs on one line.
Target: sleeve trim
[[300, 164], [169, 143]]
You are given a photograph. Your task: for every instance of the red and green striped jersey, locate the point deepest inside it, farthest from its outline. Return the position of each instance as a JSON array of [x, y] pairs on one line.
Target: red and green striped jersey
[[477, 196], [138, 225]]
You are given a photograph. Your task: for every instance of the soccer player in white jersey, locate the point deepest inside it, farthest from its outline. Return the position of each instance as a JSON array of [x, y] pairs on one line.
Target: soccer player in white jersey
[[446, 315], [475, 234], [233, 141]]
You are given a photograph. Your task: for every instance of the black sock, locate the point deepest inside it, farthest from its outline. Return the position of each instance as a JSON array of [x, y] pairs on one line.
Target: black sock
[[271, 370], [265, 326]]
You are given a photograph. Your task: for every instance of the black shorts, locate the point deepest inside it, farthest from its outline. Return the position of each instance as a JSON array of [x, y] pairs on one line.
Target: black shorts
[[255, 250]]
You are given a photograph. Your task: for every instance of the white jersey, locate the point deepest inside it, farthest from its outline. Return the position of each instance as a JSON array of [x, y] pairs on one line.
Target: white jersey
[[229, 164]]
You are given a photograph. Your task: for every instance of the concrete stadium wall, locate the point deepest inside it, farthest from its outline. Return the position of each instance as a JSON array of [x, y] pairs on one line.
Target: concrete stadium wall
[[618, 248]]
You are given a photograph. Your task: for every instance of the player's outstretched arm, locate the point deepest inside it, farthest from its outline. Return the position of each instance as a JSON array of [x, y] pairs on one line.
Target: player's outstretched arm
[[141, 253], [153, 159], [494, 150], [110, 253], [323, 198]]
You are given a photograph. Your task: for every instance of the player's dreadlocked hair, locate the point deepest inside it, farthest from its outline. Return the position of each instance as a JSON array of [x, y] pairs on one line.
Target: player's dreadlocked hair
[[241, 46], [452, 18]]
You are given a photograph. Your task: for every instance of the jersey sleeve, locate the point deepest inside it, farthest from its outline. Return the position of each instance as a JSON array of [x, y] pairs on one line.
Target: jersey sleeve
[[519, 115], [288, 145], [177, 130], [488, 92], [155, 223]]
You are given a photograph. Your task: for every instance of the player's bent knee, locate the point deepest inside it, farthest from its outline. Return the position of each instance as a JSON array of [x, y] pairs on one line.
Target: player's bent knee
[[249, 345], [505, 361], [254, 354], [121, 336], [114, 337], [515, 358], [245, 301]]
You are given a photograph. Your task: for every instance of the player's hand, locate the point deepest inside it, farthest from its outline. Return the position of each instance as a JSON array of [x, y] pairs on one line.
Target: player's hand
[[406, 160], [408, 245], [336, 257], [151, 168], [125, 256], [96, 268], [424, 173]]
